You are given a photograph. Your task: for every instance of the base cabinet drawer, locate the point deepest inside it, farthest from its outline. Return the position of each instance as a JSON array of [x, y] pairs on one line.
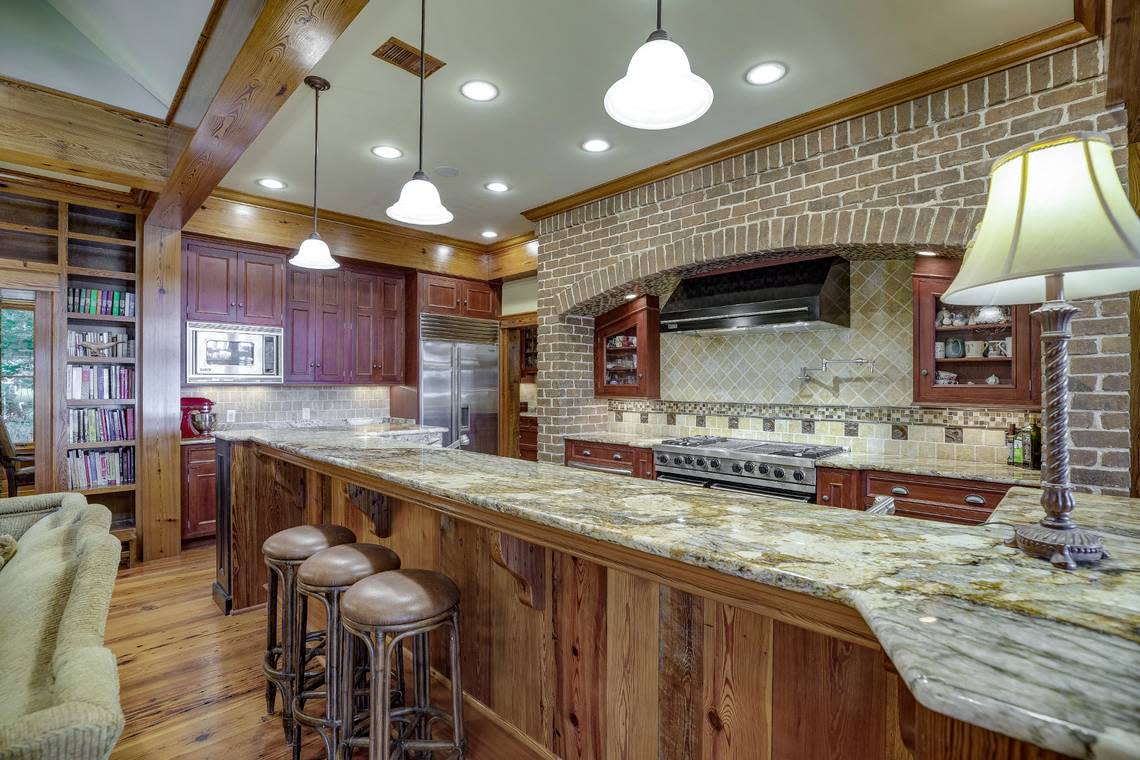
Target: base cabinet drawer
[[609, 457], [528, 438], [966, 502]]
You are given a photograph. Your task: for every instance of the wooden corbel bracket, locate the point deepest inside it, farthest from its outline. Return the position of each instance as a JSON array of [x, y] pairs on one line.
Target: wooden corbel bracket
[[376, 505], [527, 565]]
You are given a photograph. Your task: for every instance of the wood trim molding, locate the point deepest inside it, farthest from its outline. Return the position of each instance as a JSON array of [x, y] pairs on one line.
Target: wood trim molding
[[1019, 51], [1124, 62], [522, 319], [287, 40], [23, 183]]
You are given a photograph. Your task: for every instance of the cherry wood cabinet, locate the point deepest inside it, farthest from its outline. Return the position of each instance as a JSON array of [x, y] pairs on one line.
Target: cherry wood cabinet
[[610, 457], [627, 350], [528, 438], [234, 285], [344, 326], [952, 500], [458, 298], [199, 491], [987, 356]]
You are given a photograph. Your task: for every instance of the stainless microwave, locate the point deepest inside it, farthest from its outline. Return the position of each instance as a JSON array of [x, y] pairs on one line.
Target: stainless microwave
[[220, 353]]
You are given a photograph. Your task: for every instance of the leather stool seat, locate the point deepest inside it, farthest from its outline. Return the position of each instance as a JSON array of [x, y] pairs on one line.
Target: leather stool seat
[[345, 564], [303, 541], [399, 597]]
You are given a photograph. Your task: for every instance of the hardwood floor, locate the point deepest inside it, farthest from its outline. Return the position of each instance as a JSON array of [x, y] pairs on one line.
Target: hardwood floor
[[190, 678]]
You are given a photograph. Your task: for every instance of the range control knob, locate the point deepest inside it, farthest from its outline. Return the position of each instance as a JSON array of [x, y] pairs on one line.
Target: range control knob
[[749, 467], [700, 462], [662, 459], [688, 460], [736, 467], [778, 472], [763, 469], [798, 474], [714, 463], [677, 460]]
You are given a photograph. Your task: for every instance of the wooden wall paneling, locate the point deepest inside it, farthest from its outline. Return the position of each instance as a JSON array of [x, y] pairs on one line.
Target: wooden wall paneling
[[579, 610], [63, 133], [828, 697], [465, 557], [510, 345], [895, 718], [631, 652], [938, 737], [737, 683], [680, 674], [159, 334]]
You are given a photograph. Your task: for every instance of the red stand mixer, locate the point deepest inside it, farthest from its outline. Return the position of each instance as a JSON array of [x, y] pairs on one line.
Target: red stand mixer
[[192, 405]]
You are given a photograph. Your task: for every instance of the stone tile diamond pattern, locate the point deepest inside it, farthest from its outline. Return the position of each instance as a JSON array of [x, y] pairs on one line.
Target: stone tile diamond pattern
[[763, 367]]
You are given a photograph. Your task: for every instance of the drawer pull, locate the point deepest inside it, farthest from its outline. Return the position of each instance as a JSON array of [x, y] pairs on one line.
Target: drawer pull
[[826, 498], [617, 457], [975, 499], [900, 491]]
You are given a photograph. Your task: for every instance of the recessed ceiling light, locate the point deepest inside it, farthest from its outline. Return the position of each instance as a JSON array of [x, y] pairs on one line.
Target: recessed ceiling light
[[497, 187], [269, 183], [386, 151], [596, 145], [630, 296], [479, 90], [766, 73], [926, 253], [489, 234]]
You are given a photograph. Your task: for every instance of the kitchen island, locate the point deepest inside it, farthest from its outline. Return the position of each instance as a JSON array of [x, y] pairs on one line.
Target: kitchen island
[[612, 617]]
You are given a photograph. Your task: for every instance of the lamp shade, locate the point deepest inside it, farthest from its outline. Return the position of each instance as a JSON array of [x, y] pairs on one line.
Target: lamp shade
[[419, 203], [314, 254], [659, 89], [1054, 207]]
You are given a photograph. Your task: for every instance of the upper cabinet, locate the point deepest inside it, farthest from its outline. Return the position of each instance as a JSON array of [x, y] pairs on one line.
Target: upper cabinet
[[627, 350], [228, 284], [971, 355], [458, 298]]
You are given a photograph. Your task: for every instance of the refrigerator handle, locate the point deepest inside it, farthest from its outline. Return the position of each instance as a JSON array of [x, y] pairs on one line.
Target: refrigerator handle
[[464, 418]]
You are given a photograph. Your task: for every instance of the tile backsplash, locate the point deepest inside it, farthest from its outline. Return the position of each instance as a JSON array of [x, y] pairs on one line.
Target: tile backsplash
[[764, 366], [283, 403]]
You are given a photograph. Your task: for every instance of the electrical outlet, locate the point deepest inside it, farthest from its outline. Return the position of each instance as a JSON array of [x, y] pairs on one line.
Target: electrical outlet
[[231, 415], [305, 413]]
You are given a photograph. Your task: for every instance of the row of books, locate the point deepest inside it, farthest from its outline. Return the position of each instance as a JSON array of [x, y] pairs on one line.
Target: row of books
[[100, 343], [113, 303], [97, 469], [98, 425], [90, 382]]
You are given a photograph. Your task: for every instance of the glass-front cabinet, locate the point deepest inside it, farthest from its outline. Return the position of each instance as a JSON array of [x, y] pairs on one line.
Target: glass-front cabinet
[[971, 355], [627, 350]]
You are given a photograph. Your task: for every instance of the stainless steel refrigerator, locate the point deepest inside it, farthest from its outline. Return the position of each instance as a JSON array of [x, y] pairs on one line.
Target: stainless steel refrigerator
[[459, 379]]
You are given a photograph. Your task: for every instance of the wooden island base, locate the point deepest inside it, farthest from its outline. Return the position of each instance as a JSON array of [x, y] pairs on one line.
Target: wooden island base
[[581, 649]]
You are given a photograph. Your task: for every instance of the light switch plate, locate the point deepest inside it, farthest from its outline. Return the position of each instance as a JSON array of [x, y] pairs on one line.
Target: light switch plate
[[231, 415], [305, 413]]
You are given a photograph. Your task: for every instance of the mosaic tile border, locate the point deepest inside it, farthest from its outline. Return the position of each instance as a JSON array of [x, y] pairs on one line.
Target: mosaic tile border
[[993, 419]]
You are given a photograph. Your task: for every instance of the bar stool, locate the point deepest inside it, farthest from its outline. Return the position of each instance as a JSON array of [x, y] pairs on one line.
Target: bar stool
[[284, 552], [383, 610], [325, 576]]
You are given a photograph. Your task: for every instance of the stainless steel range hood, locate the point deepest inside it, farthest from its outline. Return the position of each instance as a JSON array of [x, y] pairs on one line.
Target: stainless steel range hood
[[803, 295]]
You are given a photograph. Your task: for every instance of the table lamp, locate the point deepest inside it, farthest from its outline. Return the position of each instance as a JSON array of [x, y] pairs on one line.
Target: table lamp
[[1057, 225]]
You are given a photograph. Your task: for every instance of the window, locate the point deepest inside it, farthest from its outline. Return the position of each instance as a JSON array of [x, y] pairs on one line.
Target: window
[[17, 370]]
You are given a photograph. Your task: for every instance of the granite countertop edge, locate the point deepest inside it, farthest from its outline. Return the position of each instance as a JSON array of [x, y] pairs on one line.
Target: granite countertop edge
[[1009, 632]]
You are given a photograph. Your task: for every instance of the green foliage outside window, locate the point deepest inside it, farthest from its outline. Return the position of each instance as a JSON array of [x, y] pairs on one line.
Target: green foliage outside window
[[17, 372]]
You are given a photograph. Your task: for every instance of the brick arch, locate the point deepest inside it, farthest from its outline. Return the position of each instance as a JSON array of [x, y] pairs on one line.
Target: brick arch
[[854, 233]]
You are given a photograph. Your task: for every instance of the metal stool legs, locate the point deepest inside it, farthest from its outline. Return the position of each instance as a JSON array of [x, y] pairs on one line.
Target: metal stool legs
[[403, 731], [285, 658]]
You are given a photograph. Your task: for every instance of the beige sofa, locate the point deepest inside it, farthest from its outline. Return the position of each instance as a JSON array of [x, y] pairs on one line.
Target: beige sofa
[[59, 690]]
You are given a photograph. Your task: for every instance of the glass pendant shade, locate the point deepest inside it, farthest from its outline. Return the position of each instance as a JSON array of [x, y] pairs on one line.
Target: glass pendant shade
[[1056, 207], [419, 203], [659, 89], [314, 254]]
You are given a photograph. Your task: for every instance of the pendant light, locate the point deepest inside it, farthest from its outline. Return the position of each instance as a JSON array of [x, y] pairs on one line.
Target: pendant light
[[419, 201], [659, 89], [314, 252]]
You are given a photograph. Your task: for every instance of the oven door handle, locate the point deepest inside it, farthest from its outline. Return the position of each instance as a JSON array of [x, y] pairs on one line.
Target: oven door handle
[[695, 482], [751, 492]]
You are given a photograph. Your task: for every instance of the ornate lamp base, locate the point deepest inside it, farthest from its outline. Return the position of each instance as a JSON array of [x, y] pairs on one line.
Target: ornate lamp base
[[1064, 547]]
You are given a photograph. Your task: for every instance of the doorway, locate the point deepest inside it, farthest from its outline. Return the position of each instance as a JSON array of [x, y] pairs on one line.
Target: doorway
[[17, 392]]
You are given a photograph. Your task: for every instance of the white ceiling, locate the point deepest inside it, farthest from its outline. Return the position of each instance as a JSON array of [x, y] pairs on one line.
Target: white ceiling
[[126, 53]]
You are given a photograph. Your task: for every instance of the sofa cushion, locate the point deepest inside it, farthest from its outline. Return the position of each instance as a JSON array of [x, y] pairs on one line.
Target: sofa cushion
[[7, 549]]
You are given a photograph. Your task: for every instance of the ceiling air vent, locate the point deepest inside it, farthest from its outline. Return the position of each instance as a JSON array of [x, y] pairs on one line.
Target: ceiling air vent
[[407, 57]]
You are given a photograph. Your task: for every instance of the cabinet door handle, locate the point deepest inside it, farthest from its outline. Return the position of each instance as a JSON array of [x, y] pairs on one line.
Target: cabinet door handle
[[975, 499], [233, 303], [825, 498], [312, 364], [242, 305], [900, 491], [925, 372]]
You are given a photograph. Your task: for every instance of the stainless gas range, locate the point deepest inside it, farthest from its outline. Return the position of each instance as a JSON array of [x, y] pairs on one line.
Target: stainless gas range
[[783, 470]]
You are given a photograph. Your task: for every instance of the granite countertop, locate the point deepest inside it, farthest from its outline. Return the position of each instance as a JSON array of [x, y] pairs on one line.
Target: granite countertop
[[963, 469], [979, 631]]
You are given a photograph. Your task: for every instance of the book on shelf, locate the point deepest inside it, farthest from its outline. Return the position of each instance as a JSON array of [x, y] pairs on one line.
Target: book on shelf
[[99, 469], [106, 303], [100, 382], [116, 342], [100, 425]]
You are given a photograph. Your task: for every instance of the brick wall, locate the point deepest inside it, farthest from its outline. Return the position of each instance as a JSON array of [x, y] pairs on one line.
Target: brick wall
[[879, 186]]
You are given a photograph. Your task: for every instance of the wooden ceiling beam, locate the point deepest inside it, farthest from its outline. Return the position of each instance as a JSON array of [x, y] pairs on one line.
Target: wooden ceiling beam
[[288, 38], [1124, 62], [58, 132]]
